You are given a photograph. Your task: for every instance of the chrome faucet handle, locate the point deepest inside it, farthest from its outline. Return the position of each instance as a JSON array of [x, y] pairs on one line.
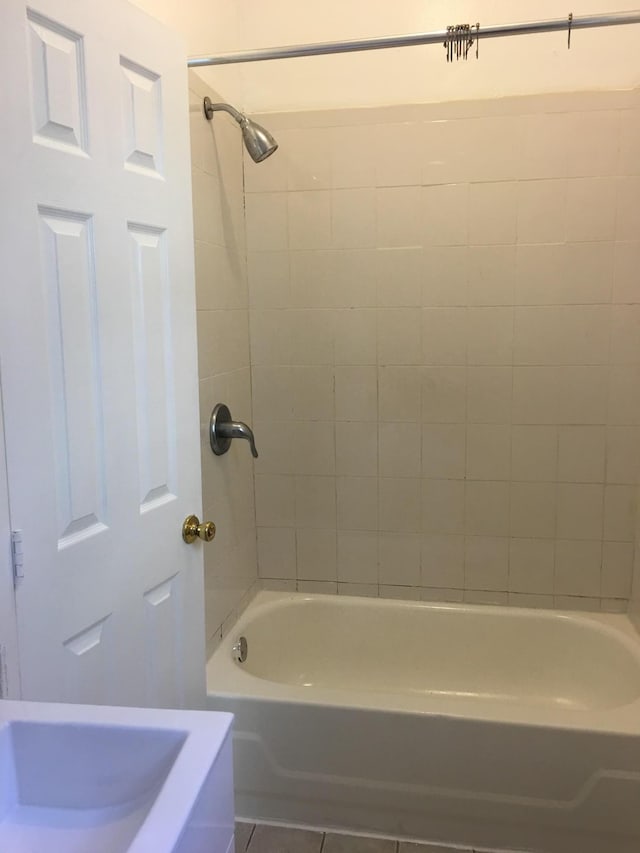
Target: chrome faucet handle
[[236, 429], [222, 429]]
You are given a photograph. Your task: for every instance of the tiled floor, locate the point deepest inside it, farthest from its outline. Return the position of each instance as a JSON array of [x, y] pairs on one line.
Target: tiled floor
[[260, 838]]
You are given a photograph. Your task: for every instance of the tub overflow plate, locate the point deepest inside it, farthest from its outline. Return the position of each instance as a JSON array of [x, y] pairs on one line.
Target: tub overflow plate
[[240, 649]]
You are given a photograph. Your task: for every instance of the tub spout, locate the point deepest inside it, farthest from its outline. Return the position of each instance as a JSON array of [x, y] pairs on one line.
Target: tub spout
[[222, 429]]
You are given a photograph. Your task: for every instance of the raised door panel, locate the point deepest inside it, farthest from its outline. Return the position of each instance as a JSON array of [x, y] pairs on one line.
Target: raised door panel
[[89, 665], [163, 639], [58, 92], [143, 124], [69, 283], [153, 359]]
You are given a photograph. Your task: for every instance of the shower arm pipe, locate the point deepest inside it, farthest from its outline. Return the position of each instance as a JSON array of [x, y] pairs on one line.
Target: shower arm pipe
[[613, 19], [227, 108]]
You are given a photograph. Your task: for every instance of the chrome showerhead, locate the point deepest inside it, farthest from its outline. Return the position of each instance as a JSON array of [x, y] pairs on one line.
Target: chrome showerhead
[[258, 141]]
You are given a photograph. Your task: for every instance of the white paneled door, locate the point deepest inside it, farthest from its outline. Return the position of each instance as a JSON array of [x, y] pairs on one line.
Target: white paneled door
[[98, 354]]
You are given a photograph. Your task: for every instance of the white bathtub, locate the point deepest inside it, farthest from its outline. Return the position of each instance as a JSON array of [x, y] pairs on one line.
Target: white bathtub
[[488, 726]]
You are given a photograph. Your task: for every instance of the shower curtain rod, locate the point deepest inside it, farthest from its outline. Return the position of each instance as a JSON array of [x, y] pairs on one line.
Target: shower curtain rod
[[436, 37]]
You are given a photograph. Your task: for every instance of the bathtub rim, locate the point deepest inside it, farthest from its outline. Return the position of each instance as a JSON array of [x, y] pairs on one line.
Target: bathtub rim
[[226, 679]]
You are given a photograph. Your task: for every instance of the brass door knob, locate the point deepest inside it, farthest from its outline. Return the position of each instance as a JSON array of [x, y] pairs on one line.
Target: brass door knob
[[192, 529]]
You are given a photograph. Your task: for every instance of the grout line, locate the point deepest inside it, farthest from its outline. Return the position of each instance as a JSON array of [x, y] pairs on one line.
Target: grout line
[[426, 845]]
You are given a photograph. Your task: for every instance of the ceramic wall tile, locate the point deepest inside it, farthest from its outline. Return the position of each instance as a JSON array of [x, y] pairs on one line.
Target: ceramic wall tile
[[445, 314]]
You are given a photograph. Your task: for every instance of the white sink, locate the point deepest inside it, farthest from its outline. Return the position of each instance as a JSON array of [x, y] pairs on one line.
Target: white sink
[[91, 779]]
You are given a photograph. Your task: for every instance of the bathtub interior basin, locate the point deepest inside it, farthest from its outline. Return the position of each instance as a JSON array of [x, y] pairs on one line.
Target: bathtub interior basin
[[457, 653], [93, 783]]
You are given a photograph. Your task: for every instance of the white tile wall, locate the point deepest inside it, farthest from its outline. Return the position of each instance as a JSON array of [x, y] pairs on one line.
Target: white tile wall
[[445, 351], [222, 303]]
